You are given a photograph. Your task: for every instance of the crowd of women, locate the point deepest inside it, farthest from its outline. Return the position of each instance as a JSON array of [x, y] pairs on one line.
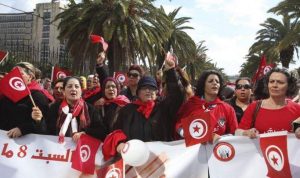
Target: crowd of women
[[149, 109]]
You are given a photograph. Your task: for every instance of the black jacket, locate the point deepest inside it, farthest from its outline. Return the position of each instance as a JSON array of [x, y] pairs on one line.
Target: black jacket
[[160, 125], [19, 114], [95, 129]]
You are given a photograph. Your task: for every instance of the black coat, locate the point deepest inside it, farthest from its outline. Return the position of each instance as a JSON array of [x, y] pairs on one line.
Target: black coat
[[95, 129], [160, 125], [19, 114]]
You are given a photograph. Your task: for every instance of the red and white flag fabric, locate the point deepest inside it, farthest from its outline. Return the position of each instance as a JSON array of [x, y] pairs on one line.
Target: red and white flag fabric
[[274, 149], [197, 129], [3, 55], [99, 39], [262, 70], [115, 170], [13, 86], [58, 72], [83, 158], [121, 77]]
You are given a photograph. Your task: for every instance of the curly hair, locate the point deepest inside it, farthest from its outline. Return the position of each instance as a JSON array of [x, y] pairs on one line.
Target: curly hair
[[292, 81], [202, 79]]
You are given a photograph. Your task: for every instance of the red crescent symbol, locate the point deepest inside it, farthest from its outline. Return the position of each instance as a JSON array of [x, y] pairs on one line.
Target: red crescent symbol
[[275, 157], [121, 78], [114, 172], [17, 84]]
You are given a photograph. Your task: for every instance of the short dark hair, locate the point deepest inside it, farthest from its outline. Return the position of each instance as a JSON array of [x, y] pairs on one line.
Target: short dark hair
[[201, 82], [243, 78], [69, 78], [292, 81], [57, 81]]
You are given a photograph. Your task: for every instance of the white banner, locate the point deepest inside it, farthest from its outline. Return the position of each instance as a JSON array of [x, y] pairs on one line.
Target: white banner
[[40, 156]]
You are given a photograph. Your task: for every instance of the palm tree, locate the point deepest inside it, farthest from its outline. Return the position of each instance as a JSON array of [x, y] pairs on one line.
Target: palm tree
[[279, 40], [290, 7], [131, 27], [178, 40]]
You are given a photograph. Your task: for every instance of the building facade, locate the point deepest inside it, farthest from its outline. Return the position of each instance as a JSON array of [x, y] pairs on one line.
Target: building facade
[[32, 36]]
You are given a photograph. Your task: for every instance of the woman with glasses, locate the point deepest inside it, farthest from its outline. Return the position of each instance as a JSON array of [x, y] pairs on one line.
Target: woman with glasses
[[208, 99], [135, 73], [277, 111], [242, 96], [147, 118]]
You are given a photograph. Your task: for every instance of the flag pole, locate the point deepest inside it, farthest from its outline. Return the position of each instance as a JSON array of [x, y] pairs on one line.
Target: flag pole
[[31, 99]]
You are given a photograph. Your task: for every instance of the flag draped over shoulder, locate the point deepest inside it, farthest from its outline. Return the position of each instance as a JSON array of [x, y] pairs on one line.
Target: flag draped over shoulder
[[262, 70], [274, 149], [13, 86], [58, 72]]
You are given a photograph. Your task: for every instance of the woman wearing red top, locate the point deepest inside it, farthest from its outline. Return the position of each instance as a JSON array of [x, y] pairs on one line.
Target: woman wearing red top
[[207, 98], [276, 112]]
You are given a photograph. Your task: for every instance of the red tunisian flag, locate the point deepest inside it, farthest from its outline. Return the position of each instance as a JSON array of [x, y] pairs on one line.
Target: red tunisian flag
[[99, 39], [3, 55], [83, 158], [58, 72], [121, 77], [274, 149], [115, 170], [263, 69], [13, 86], [197, 128]]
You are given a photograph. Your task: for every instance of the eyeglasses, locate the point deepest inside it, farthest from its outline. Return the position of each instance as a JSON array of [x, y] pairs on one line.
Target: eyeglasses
[[134, 75], [240, 86]]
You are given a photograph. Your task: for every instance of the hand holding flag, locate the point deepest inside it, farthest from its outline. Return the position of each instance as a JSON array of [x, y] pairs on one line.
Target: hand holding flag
[[99, 39]]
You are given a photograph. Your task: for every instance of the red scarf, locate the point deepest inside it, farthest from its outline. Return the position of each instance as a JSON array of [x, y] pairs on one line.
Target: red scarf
[[145, 107], [80, 109], [196, 103], [91, 92], [120, 100], [33, 85]]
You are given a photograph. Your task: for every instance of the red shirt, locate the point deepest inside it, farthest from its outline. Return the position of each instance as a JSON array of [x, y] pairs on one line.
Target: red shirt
[[223, 118], [270, 120]]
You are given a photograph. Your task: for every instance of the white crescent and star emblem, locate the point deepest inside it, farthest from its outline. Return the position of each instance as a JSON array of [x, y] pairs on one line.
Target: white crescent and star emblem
[[121, 78], [275, 157], [267, 69], [113, 173], [198, 128], [17, 84], [85, 153], [61, 74]]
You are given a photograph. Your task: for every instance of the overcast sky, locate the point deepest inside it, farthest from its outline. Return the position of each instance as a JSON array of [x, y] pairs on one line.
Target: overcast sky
[[228, 26]]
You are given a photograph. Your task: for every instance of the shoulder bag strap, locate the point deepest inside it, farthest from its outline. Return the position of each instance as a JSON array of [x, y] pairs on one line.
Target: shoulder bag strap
[[258, 105]]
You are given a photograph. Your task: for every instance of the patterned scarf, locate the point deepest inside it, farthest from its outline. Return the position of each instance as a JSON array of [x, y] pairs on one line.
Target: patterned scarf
[[68, 115]]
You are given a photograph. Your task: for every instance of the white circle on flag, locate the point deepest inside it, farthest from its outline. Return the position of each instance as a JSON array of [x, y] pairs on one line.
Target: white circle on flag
[[114, 172], [17, 83], [275, 157], [61, 74], [85, 153], [121, 78], [198, 128], [267, 69]]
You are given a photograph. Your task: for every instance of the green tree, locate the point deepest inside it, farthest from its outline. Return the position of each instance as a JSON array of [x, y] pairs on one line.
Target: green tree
[[131, 27], [178, 40], [279, 40], [290, 7]]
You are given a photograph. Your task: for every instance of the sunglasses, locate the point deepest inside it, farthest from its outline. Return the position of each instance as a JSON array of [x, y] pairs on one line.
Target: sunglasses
[[134, 75], [240, 86]]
